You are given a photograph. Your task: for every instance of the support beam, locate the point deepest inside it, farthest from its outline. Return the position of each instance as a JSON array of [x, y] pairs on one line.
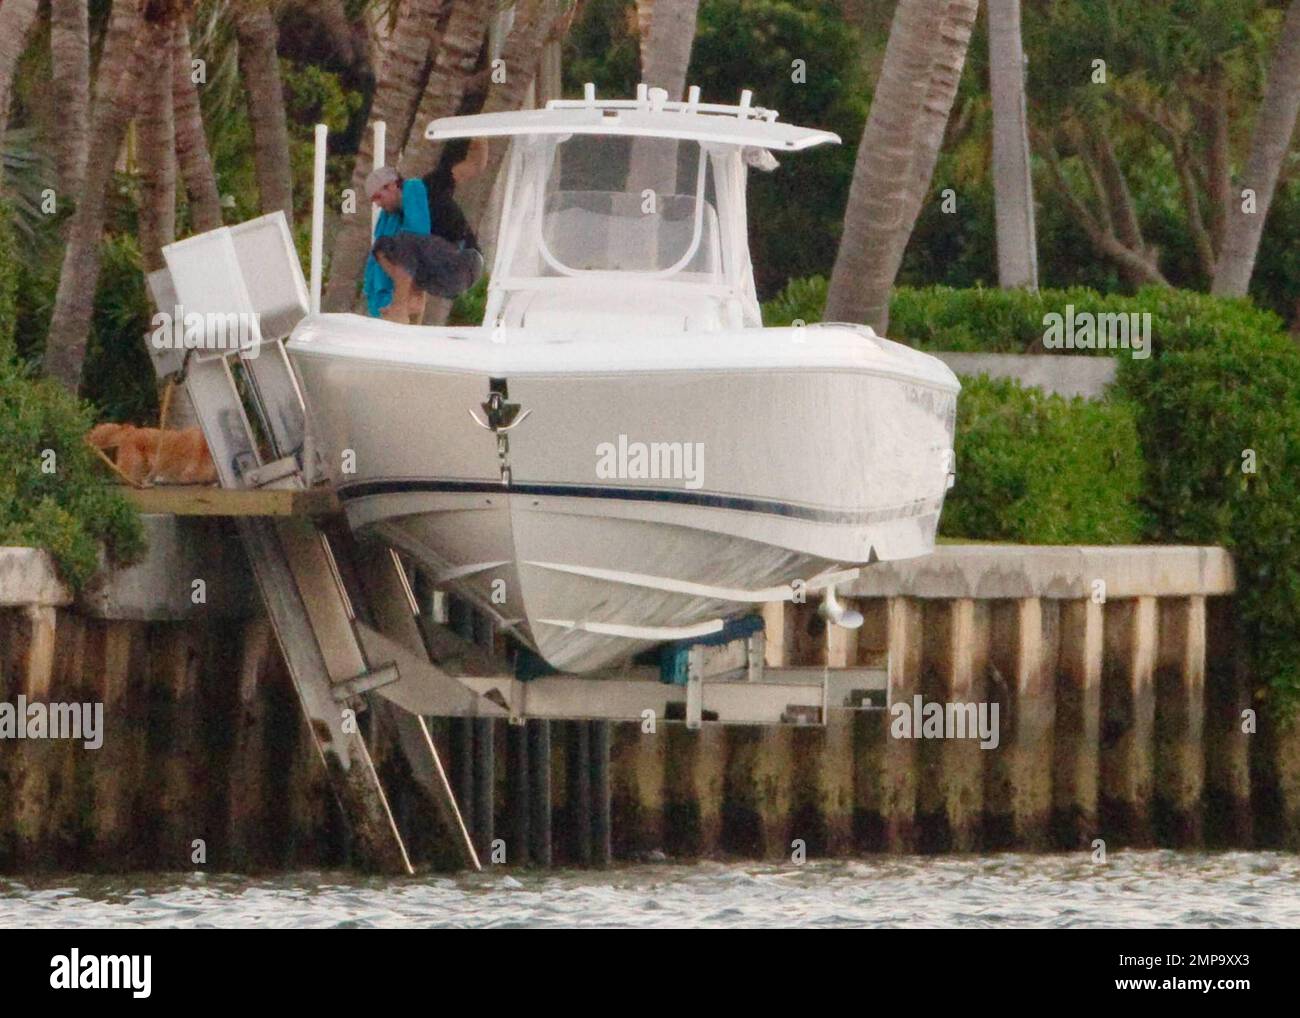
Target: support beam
[[341, 747]]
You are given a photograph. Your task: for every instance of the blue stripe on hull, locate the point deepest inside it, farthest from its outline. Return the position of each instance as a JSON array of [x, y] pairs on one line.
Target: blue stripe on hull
[[679, 496]]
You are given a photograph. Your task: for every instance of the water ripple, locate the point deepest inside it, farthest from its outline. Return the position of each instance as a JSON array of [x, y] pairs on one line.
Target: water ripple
[[1133, 889]]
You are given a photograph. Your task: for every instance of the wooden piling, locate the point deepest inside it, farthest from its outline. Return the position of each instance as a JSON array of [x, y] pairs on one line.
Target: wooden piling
[[484, 829], [599, 739], [520, 797], [121, 764], [1231, 713], [1076, 760], [638, 789], [250, 815], [1180, 722], [1128, 705], [539, 787], [886, 775], [950, 796], [32, 632], [680, 796], [1023, 643], [66, 763], [578, 775]]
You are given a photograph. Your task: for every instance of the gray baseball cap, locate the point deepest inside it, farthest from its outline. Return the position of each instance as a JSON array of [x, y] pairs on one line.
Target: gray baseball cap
[[376, 179]]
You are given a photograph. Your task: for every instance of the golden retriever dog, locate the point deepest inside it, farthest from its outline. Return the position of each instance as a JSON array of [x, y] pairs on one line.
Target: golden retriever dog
[[153, 456]]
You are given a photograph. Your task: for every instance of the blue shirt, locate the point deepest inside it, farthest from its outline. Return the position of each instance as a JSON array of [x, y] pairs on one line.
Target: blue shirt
[[413, 217]]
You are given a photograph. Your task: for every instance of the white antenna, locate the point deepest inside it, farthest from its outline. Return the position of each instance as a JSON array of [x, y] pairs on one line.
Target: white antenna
[[376, 162], [318, 216]]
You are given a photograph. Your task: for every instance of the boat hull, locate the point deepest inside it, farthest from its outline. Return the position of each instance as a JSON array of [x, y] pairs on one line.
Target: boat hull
[[609, 497]]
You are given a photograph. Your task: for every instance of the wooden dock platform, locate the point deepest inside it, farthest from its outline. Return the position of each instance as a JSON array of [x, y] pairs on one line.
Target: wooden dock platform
[[210, 500]]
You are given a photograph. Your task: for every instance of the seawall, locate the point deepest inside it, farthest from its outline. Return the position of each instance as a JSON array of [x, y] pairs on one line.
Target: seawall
[[1122, 691]]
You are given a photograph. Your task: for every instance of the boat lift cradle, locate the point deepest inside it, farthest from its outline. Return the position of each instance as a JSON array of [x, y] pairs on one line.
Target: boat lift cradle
[[346, 619]]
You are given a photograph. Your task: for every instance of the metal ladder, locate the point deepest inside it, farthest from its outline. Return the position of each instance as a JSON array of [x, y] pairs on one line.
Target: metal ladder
[[336, 662]]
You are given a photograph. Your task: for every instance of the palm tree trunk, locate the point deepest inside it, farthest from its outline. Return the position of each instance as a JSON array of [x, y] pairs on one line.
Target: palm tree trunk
[[523, 49], [1013, 187], [645, 14], [665, 57], [192, 155], [550, 71], [666, 52], [259, 66], [457, 56], [1269, 144], [396, 95], [895, 163], [122, 70], [156, 125], [70, 72], [16, 20]]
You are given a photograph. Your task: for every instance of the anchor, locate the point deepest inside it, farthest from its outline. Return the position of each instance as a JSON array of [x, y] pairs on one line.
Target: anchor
[[502, 417]]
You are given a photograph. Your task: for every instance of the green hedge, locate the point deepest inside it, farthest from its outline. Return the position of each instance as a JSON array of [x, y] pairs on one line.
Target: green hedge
[[53, 492], [1208, 414], [1220, 390], [1042, 469]]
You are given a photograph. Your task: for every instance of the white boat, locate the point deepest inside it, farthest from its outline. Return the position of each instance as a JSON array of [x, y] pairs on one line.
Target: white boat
[[621, 454]]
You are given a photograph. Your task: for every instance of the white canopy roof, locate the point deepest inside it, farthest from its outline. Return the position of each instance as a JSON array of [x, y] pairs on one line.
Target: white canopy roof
[[738, 125]]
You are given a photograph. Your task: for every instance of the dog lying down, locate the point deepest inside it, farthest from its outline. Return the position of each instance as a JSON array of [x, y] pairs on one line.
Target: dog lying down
[[153, 456]]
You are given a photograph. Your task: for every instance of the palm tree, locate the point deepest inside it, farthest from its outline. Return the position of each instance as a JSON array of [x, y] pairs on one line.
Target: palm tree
[[1013, 187], [396, 94], [896, 156], [122, 70], [70, 72], [192, 156], [666, 42], [1274, 126], [156, 124], [666, 48], [459, 49], [645, 12], [259, 66], [534, 20], [16, 20]]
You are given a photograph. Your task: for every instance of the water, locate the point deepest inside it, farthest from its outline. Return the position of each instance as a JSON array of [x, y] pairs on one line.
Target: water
[[1133, 889]]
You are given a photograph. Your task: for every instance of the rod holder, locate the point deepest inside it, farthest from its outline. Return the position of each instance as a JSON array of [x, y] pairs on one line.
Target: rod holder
[[318, 216], [377, 161]]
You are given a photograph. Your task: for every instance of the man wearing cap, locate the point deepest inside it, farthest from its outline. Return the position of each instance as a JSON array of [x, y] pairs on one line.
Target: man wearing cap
[[423, 243]]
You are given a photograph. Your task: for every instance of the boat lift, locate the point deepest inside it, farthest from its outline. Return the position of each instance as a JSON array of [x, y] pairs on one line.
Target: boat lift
[[346, 618]]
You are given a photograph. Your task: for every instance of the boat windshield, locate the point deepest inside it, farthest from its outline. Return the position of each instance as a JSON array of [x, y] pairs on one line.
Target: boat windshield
[[602, 203]]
